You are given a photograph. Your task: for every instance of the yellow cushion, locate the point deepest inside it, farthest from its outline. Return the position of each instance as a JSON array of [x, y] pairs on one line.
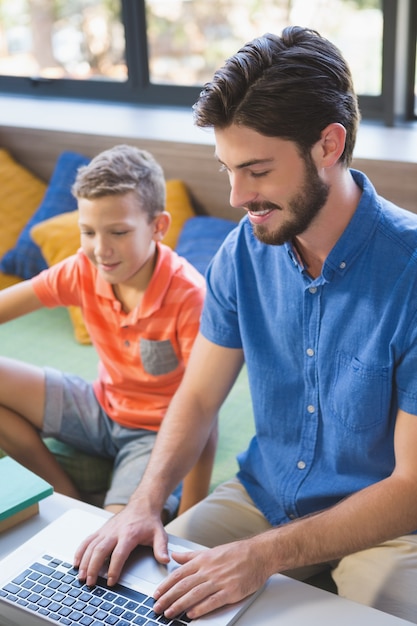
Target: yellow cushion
[[178, 204], [80, 332], [59, 237], [21, 192], [7, 280]]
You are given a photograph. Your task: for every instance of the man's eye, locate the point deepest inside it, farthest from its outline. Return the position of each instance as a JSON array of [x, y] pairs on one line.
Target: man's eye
[[118, 233], [259, 174]]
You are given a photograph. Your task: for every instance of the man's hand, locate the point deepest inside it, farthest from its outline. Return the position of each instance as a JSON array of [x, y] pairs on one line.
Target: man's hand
[[115, 540], [210, 579]]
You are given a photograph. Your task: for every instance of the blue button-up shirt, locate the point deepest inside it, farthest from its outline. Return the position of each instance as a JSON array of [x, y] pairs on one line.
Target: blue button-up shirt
[[330, 360]]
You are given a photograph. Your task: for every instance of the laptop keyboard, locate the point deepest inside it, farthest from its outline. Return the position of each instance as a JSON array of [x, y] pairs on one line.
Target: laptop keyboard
[[50, 588]]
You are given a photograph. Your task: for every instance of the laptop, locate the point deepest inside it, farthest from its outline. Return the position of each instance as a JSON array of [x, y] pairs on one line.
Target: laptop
[[38, 585]]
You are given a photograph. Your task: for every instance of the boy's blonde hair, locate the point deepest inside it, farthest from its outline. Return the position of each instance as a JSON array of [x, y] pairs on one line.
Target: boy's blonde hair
[[120, 170]]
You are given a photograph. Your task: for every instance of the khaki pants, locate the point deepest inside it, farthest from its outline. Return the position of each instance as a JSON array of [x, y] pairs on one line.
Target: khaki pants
[[384, 577]]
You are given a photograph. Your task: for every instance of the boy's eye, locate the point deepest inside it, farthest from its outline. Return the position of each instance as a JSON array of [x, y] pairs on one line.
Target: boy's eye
[[119, 232]]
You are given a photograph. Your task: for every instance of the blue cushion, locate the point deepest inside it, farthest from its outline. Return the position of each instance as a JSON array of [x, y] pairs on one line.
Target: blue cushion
[[25, 259], [200, 239]]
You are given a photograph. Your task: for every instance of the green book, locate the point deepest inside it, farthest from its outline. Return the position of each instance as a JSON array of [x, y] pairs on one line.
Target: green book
[[20, 492]]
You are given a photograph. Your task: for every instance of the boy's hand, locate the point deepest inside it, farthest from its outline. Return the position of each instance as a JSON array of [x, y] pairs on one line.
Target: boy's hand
[[115, 540]]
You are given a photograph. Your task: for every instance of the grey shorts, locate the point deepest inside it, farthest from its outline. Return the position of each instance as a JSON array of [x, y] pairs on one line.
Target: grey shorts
[[74, 416]]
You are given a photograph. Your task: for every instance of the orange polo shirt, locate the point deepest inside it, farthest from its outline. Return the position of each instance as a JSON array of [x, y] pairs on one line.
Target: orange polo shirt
[[143, 353]]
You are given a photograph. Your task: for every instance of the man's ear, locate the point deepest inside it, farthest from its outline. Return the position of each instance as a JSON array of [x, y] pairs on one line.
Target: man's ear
[[161, 225], [330, 146]]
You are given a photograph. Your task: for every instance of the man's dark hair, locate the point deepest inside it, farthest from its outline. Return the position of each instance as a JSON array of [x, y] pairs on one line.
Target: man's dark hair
[[290, 86]]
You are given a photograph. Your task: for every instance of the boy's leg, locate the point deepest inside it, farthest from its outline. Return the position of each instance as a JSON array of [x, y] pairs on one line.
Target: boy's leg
[[384, 577], [22, 402], [226, 515], [135, 448]]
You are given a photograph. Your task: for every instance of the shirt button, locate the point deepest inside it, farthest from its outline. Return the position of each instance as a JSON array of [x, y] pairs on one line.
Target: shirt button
[[312, 289], [301, 465], [310, 408], [342, 265], [310, 352], [127, 343]]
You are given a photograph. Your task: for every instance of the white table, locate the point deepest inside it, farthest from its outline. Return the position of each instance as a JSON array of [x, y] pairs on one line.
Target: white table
[[284, 601]]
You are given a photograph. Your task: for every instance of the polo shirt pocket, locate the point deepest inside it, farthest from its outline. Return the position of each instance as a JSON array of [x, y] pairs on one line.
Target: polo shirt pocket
[[360, 392], [158, 357]]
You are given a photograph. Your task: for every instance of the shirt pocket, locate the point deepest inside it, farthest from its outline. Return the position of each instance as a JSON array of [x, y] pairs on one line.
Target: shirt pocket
[[158, 357], [360, 393]]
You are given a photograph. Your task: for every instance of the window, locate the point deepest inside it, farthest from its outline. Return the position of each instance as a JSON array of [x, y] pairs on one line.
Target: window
[[162, 51], [56, 40], [51, 47], [210, 32]]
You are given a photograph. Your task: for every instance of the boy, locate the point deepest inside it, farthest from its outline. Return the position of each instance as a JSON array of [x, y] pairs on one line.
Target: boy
[[141, 305]]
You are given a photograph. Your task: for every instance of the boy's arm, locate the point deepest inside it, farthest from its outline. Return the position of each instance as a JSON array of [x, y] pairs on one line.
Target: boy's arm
[[197, 482], [18, 300]]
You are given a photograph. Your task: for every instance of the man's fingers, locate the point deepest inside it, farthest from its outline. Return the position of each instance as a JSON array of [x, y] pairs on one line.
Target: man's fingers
[[117, 560], [192, 596], [160, 546], [81, 550], [92, 555], [112, 544]]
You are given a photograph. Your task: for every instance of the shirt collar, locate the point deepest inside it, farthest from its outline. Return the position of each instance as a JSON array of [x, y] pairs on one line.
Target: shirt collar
[[358, 232]]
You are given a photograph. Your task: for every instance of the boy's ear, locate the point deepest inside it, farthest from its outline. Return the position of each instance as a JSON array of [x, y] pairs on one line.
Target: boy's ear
[[161, 225]]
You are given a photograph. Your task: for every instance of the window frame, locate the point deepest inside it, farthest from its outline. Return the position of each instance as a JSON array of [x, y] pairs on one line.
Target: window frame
[[139, 90], [410, 95]]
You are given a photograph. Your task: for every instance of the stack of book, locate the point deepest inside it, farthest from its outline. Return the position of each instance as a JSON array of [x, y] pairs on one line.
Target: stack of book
[[20, 492]]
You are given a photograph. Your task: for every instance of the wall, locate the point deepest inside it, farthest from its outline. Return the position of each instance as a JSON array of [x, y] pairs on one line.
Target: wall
[[193, 162]]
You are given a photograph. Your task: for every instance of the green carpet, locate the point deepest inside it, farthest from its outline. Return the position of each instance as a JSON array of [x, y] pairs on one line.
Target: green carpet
[[46, 337]]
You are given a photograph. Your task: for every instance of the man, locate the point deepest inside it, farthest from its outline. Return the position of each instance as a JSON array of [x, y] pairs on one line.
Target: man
[[316, 290]]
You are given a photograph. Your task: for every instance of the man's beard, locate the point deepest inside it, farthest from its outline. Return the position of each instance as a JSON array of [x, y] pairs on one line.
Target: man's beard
[[303, 207]]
